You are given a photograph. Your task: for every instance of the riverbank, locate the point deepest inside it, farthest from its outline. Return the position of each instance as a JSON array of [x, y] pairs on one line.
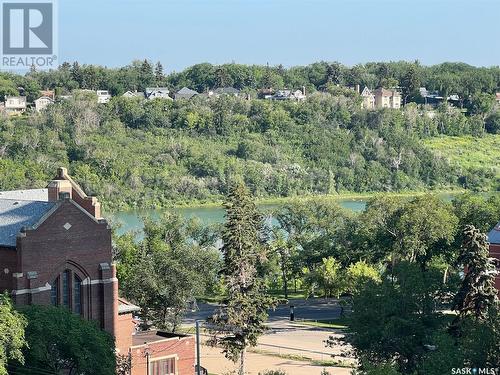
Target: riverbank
[[271, 201]]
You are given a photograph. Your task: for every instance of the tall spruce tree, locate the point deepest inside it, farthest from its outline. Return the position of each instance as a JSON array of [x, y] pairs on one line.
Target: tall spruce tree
[[477, 292], [159, 74], [146, 74], [221, 77], [238, 324]]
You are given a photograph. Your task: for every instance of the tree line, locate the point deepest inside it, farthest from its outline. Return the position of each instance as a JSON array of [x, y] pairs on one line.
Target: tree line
[[447, 78]]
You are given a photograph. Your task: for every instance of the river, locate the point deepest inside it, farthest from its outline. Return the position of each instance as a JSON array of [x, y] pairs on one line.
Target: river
[[127, 221]]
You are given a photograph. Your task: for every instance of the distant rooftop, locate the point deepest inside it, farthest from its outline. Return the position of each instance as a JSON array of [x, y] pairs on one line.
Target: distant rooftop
[[226, 90], [186, 91], [151, 89], [494, 235], [16, 214]]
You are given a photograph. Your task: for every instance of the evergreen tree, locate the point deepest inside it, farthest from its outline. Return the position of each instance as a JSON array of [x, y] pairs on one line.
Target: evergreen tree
[[477, 292], [146, 74], [221, 77], [159, 73], [333, 73], [410, 82], [76, 73], [240, 322]]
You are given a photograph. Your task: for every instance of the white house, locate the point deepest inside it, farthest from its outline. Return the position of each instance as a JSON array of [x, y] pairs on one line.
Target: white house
[[103, 96], [298, 95], [43, 102], [368, 99], [157, 92], [15, 104]]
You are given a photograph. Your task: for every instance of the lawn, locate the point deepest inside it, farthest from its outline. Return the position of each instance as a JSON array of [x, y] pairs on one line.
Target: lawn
[[469, 152], [341, 323]]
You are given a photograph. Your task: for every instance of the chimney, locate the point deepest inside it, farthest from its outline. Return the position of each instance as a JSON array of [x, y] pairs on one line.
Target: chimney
[[357, 89], [59, 189], [304, 90]]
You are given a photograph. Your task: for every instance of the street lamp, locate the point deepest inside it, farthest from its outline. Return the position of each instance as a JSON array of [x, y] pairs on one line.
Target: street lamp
[[147, 354]]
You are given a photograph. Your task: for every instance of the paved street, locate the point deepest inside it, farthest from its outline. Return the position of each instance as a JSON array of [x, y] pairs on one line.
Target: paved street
[[282, 340], [311, 309]]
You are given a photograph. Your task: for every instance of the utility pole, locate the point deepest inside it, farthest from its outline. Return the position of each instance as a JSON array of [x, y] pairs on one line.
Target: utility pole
[[198, 354], [147, 353]]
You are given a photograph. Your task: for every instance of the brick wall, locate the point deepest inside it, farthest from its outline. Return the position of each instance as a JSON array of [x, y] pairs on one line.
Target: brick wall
[[8, 268], [183, 348], [124, 328]]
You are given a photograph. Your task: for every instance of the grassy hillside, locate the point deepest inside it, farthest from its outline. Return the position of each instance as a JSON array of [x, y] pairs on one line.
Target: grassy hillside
[[469, 152], [480, 154]]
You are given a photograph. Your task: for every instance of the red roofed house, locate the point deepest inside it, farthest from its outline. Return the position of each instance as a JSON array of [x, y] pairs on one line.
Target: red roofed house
[[55, 248], [494, 240]]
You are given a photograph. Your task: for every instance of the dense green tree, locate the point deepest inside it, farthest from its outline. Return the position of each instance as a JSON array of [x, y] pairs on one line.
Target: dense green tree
[[221, 77], [240, 320], [358, 274], [410, 82], [12, 339], [477, 293], [174, 263], [147, 76], [283, 251], [159, 77], [392, 322], [474, 209], [63, 343], [492, 123], [326, 277]]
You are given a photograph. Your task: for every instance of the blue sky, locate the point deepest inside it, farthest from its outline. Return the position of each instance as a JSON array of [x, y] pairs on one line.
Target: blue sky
[[180, 33]]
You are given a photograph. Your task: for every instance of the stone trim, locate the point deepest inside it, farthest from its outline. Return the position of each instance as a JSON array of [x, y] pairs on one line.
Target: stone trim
[[87, 281], [32, 290]]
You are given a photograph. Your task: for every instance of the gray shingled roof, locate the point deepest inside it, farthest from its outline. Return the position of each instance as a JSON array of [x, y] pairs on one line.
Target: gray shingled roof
[[26, 195], [15, 214], [494, 235], [185, 93], [226, 90]]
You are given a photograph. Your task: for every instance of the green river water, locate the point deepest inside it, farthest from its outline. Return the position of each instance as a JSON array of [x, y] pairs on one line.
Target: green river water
[[127, 221]]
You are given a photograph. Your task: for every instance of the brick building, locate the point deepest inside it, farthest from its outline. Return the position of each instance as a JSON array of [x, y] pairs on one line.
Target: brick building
[[494, 239], [55, 248]]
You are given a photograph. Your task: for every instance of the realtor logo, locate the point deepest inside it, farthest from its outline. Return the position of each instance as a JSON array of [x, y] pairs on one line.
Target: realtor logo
[[28, 34]]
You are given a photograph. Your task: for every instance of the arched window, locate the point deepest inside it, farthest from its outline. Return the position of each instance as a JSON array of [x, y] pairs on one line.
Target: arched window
[[66, 290], [54, 292], [77, 294]]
